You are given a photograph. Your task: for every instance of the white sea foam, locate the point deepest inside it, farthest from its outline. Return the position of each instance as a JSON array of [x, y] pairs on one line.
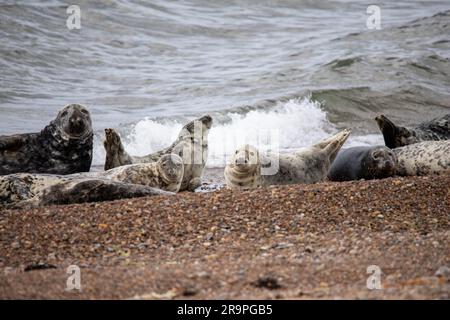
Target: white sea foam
[[286, 126]]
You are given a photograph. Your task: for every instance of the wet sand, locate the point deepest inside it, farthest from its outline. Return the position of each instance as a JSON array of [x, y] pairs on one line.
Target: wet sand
[[285, 242]]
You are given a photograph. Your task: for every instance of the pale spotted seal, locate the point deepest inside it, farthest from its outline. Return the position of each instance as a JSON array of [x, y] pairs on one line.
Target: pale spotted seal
[[310, 165], [363, 163], [423, 158], [62, 147], [397, 136], [23, 189], [191, 145]]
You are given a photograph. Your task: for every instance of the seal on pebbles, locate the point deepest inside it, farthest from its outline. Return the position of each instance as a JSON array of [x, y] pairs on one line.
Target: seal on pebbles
[[363, 163], [62, 147], [25, 189], [249, 168], [191, 145]]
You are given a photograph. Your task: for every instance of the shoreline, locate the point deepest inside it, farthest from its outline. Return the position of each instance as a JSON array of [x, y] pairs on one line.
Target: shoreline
[[281, 242]]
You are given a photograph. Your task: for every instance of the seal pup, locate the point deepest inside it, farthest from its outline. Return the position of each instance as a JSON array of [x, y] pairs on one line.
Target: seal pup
[[397, 136], [62, 147], [191, 145], [423, 158], [123, 182], [363, 163], [310, 165]]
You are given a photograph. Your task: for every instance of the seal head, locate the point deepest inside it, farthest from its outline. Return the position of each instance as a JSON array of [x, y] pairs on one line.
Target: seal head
[[171, 169], [244, 168], [380, 163], [74, 121]]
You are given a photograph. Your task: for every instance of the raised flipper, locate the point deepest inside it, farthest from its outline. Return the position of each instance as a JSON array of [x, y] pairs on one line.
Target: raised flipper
[[116, 155], [333, 144], [95, 190], [11, 142], [394, 136]]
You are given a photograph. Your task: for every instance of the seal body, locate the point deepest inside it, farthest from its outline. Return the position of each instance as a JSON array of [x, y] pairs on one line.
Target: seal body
[[249, 168], [63, 147], [191, 145], [25, 189], [428, 157], [363, 163], [397, 136]]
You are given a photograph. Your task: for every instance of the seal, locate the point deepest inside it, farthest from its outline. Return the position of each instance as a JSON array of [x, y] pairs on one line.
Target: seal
[[191, 145], [397, 136], [25, 189], [363, 163], [423, 158], [62, 147], [248, 167]]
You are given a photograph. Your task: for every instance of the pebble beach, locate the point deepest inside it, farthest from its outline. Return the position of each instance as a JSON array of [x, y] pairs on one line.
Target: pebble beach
[[282, 242]]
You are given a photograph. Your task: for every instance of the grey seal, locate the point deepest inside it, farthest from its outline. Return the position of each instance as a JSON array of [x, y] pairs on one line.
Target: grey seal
[[25, 189], [191, 145], [363, 163], [310, 165], [62, 147], [423, 158], [397, 136]]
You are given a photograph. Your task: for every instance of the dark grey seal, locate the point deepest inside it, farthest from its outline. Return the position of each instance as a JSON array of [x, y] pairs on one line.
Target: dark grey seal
[[363, 163], [397, 136], [62, 147]]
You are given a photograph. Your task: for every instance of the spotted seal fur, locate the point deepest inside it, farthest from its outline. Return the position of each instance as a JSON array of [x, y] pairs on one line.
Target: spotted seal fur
[[423, 158]]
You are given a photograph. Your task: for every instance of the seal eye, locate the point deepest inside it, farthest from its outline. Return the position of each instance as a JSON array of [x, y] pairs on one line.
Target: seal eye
[[236, 152], [64, 114], [84, 111]]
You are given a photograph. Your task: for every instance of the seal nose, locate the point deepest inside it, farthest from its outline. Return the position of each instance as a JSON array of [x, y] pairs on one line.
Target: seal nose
[[76, 121], [241, 160]]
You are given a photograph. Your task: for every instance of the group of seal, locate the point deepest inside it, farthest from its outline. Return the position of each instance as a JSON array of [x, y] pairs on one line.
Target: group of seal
[[419, 151], [191, 145], [52, 167], [422, 150]]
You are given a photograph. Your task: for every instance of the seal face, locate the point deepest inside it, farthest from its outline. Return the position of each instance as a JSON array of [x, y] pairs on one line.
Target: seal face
[[397, 136], [363, 163], [244, 169], [423, 158], [191, 145], [25, 189], [62, 147], [310, 165]]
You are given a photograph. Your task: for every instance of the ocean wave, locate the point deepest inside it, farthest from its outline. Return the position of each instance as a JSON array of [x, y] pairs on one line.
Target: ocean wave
[[286, 126]]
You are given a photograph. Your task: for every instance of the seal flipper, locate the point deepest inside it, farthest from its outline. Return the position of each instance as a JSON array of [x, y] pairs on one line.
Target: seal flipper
[[116, 155], [11, 142], [194, 184], [333, 144], [394, 136]]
